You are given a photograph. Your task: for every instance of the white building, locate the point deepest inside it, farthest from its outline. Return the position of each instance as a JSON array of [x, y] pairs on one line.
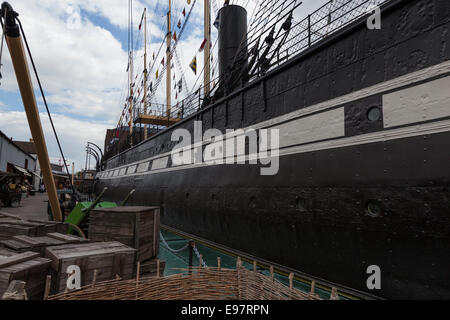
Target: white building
[[14, 159]]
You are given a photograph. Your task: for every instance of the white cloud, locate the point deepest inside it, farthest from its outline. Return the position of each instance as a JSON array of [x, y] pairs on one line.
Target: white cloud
[[82, 65], [73, 134]]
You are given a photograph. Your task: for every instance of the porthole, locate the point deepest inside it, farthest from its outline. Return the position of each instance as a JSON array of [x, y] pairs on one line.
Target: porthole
[[373, 209], [374, 114]]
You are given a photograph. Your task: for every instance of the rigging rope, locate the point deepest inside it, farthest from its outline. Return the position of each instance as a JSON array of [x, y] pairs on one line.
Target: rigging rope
[[158, 81]]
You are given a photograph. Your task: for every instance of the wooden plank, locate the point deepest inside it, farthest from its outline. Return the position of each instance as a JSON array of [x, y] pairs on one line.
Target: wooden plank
[[29, 240], [5, 262], [66, 237]]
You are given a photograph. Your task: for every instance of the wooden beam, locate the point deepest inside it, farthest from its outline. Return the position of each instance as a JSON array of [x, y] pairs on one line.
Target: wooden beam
[[156, 120], [29, 101]]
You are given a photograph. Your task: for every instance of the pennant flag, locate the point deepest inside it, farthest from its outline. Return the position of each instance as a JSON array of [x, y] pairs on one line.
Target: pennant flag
[[157, 72], [180, 86], [176, 96], [151, 86], [184, 12], [174, 86], [162, 61], [188, 2], [171, 67], [179, 24], [175, 36], [142, 19], [128, 66], [117, 133], [153, 56], [202, 46], [174, 76], [193, 65]]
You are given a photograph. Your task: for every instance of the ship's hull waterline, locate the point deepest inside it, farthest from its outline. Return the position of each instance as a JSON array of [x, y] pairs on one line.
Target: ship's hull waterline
[[354, 189]]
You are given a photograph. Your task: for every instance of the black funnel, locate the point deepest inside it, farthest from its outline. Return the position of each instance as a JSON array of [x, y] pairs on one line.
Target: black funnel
[[233, 55]]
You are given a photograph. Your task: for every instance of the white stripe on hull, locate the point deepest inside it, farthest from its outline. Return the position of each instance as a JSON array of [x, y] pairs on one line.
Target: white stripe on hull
[[409, 106]]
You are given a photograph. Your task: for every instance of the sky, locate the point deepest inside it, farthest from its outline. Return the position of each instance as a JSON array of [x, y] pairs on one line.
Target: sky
[[80, 51]]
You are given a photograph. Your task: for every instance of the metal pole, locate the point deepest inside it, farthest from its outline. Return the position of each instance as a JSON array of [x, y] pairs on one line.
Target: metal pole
[[15, 45], [309, 30], [73, 171], [85, 166]]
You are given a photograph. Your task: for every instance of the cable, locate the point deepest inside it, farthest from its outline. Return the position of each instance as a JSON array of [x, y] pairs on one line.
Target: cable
[[45, 102]]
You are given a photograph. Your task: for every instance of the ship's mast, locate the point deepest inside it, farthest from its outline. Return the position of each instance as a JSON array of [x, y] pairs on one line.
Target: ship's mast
[[145, 70], [207, 31], [168, 73], [130, 70]]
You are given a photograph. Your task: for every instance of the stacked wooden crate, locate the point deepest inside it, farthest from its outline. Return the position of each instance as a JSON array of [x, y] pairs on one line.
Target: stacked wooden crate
[[28, 267], [11, 225], [107, 259], [137, 227], [38, 244]]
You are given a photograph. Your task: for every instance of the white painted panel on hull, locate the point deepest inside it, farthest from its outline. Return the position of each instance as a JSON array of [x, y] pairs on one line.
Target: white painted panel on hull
[[325, 125], [423, 102]]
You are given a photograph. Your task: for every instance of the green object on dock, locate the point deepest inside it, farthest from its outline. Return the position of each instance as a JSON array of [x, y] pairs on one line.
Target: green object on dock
[[83, 208]]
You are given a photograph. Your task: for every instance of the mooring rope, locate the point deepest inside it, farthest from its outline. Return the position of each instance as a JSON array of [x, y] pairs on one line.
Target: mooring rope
[[198, 256], [166, 245]]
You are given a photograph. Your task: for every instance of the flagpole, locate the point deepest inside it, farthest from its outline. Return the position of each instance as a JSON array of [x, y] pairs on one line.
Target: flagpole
[[145, 70], [207, 31], [168, 73]]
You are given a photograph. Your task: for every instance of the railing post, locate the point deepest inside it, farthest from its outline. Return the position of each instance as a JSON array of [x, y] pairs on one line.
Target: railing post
[[309, 30], [191, 249], [182, 109]]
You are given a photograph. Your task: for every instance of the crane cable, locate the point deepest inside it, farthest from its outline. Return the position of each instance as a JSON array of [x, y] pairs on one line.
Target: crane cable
[[1, 47]]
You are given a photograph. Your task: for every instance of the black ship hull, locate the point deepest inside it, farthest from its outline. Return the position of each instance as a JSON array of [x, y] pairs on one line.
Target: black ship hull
[[351, 191]]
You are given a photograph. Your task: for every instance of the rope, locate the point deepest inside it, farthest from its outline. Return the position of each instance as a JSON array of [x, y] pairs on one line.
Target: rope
[[198, 256], [168, 247], [45, 102], [1, 48]]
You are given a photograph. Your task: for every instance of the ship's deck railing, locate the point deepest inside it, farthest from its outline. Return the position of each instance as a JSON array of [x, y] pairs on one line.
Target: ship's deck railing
[[317, 26]]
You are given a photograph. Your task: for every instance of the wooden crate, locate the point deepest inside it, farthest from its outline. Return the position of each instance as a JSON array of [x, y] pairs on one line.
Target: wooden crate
[[108, 258], [28, 267], [137, 227], [10, 227], [38, 244]]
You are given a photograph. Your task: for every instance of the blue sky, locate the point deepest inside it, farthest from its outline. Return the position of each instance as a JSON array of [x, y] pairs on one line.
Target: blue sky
[[80, 50]]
